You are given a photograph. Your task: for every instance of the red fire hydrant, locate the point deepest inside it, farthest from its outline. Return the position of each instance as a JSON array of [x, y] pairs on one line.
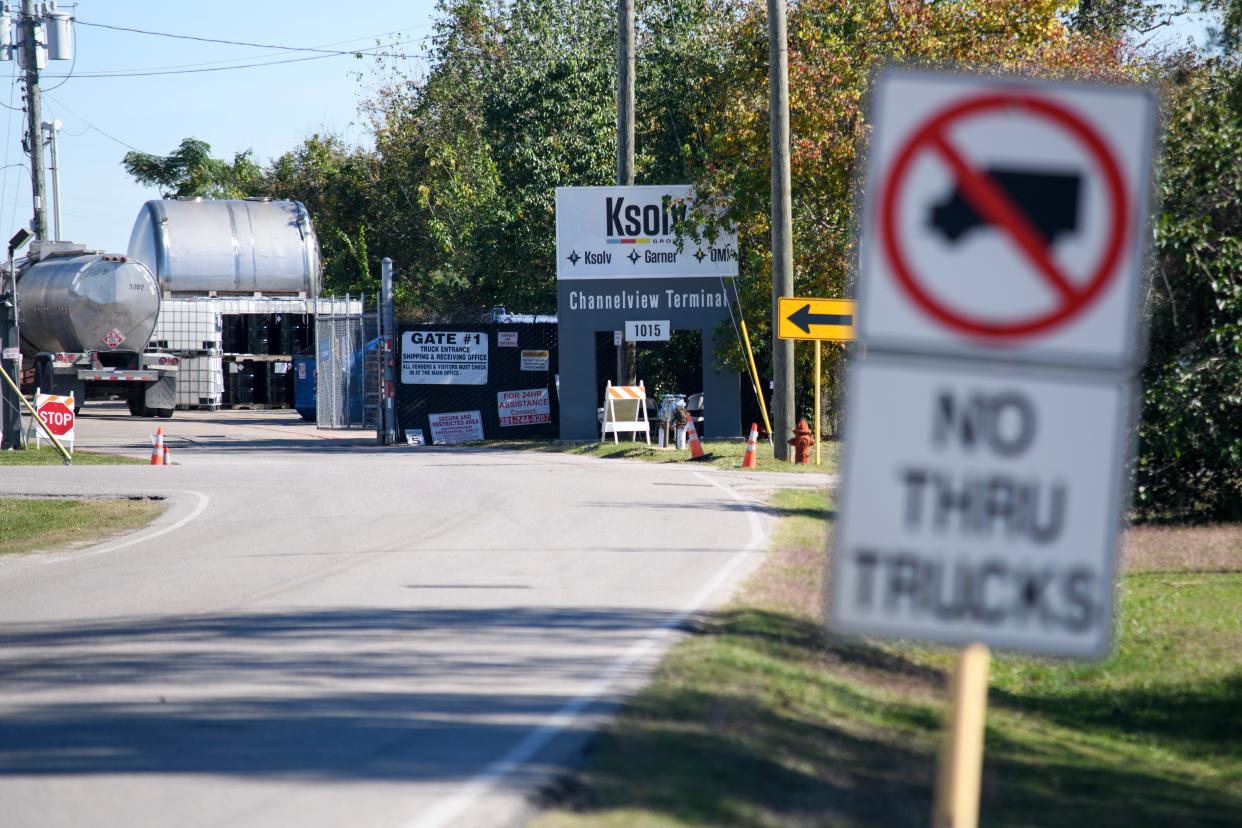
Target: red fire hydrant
[[802, 442]]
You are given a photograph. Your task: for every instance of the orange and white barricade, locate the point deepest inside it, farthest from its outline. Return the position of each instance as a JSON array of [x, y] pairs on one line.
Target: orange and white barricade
[[625, 410], [56, 412]]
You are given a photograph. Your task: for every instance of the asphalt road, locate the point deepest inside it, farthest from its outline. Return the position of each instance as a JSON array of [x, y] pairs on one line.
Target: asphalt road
[[320, 632]]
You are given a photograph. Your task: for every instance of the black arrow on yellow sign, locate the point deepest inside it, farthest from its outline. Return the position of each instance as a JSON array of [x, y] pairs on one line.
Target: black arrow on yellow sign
[[804, 319], [807, 317]]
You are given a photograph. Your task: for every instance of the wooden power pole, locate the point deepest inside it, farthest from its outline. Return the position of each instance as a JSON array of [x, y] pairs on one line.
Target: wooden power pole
[[625, 144], [782, 227]]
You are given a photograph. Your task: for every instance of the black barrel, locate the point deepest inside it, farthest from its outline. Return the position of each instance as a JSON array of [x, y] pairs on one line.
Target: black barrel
[[233, 338], [259, 332], [294, 332], [239, 385]]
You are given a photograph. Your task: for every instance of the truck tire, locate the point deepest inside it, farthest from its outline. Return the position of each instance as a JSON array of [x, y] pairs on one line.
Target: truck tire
[[137, 405], [163, 413]]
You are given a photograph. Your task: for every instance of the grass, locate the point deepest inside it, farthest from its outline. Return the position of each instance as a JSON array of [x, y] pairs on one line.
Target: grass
[[28, 523], [725, 454], [49, 456], [764, 719]]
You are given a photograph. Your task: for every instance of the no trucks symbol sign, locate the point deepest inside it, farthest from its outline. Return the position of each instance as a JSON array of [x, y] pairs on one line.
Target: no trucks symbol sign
[[988, 415], [1005, 217]]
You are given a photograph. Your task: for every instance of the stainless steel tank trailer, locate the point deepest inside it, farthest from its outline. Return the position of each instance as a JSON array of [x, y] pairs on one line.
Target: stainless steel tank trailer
[[86, 318]]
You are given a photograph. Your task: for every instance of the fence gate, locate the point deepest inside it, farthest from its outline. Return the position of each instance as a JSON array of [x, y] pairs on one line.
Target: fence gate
[[350, 364]]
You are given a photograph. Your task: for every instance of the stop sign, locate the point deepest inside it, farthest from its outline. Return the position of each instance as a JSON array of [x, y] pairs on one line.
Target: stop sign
[[57, 416]]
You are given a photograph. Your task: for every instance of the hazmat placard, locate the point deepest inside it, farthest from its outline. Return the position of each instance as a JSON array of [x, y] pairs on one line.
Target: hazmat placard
[[1006, 217], [535, 360], [980, 505], [529, 407], [456, 427], [444, 358]]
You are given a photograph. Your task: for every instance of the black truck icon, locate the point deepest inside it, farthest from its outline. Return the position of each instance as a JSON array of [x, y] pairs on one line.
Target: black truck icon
[[1049, 200]]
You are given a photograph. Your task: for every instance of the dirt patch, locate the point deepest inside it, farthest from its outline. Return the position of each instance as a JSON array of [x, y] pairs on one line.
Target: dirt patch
[[1215, 548]]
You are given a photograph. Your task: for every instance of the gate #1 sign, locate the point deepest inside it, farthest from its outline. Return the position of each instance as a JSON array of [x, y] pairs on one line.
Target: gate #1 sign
[[982, 507], [1006, 219], [444, 358]]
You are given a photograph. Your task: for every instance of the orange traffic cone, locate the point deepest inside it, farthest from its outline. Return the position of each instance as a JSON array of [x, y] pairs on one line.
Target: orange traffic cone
[[167, 461], [157, 447], [748, 459], [696, 448]]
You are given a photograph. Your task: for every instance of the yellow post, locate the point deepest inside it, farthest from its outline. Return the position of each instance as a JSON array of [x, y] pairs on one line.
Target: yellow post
[[818, 412], [38, 422], [961, 758], [754, 373]]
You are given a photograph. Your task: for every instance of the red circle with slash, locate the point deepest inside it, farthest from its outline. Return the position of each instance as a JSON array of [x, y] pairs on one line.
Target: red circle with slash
[[992, 203]]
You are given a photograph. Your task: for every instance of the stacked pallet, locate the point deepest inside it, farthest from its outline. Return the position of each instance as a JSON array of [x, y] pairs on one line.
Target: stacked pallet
[[237, 351], [190, 329]]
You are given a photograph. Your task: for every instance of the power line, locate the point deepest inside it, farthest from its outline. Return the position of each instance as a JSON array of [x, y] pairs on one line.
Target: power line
[[97, 129], [86, 75], [239, 42]]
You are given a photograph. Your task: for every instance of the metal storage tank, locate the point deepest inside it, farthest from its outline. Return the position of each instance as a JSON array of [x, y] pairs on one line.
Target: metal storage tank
[[228, 247], [90, 302]]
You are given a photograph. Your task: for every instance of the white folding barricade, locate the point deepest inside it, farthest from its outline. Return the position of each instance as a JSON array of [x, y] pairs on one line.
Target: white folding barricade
[[625, 409]]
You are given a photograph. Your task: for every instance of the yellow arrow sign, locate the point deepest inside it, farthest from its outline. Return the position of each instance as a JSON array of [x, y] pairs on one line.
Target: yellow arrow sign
[[803, 317]]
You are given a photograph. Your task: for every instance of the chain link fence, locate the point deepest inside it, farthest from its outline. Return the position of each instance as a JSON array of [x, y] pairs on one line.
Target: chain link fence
[[470, 380], [349, 370]]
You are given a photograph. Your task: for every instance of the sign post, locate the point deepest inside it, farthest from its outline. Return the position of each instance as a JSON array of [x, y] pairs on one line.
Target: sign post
[[800, 317], [989, 419]]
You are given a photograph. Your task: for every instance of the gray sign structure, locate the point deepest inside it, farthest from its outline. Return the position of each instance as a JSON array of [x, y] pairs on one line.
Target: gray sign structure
[[688, 303], [620, 259]]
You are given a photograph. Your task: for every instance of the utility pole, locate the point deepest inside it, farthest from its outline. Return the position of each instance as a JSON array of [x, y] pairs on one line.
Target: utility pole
[[782, 227], [625, 143], [53, 129], [29, 24]]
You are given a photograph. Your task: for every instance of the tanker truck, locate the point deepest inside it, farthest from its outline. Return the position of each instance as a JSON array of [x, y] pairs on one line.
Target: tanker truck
[[85, 319]]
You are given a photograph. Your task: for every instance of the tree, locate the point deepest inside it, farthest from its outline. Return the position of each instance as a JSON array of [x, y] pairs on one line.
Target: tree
[[519, 100], [336, 183], [835, 46], [190, 171], [1190, 454]]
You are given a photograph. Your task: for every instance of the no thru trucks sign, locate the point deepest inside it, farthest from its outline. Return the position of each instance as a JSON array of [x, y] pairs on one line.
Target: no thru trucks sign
[[988, 414]]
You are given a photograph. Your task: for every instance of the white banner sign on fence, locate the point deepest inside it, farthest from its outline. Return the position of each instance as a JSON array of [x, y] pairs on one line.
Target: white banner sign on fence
[[444, 358]]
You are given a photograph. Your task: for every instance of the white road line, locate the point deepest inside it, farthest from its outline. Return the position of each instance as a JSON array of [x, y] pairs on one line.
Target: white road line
[[452, 807], [203, 502]]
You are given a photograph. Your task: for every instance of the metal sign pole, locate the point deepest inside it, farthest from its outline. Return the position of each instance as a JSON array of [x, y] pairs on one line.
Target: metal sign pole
[[390, 353], [819, 413], [961, 758]]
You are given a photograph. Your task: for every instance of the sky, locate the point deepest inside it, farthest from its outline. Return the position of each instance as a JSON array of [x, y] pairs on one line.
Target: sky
[[268, 109]]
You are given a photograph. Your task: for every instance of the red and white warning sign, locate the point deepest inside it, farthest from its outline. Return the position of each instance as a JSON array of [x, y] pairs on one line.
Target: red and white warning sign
[[113, 339], [1005, 218], [55, 412]]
